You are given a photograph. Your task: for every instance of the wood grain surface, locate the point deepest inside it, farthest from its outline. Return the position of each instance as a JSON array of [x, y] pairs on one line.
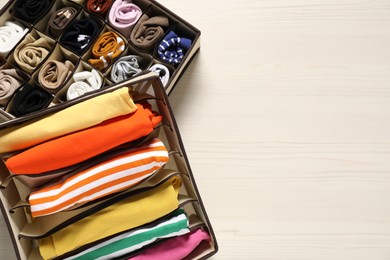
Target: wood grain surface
[[285, 116]]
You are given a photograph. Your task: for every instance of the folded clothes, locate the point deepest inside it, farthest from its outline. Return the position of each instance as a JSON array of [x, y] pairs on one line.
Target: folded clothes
[[99, 7], [84, 82], [29, 98], [148, 31], [123, 16], [173, 48], [53, 74], [162, 71], [30, 10], [10, 34], [71, 119], [59, 20], [129, 213], [125, 68], [175, 225], [114, 175], [106, 49], [10, 80], [31, 52], [176, 248], [85, 144], [79, 34]]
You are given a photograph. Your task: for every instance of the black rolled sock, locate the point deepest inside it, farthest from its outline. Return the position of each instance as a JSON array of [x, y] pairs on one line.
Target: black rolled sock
[[28, 99], [30, 10], [79, 35]]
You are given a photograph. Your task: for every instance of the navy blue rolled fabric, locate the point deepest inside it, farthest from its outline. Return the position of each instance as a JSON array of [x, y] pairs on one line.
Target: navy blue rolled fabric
[[173, 48]]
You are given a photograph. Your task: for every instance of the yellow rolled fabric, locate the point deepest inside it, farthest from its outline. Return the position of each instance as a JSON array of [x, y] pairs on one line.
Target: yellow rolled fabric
[[127, 214], [77, 117]]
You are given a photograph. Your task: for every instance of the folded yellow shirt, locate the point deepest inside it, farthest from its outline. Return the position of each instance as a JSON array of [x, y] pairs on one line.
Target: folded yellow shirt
[[127, 214], [77, 117]]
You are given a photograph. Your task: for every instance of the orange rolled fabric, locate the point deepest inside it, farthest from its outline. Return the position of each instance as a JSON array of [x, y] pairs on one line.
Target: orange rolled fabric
[[108, 47], [80, 146]]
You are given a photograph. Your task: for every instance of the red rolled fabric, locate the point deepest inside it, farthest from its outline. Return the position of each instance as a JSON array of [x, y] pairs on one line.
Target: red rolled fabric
[[80, 146], [99, 7]]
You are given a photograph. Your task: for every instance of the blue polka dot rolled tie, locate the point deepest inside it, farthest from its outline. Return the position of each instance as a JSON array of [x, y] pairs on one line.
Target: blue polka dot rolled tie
[[173, 48]]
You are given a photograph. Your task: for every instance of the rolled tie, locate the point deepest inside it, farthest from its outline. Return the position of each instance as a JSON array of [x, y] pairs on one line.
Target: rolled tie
[[175, 225], [174, 248], [162, 72], [10, 80], [30, 10], [54, 73], [173, 48], [108, 47], [99, 7], [111, 176], [79, 34], [31, 52], [148, 31], [59, 20], [125, 68], [85, 81], [127, 214], [77, 147], [29, 99], [123, 16], [10, 34]]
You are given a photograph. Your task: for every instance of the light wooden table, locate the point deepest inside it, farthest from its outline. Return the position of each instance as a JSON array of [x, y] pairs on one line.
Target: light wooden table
[[285, 115]]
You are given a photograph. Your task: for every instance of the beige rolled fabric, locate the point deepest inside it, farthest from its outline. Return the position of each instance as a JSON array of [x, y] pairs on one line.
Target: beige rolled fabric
[[10, 80], [31, 52], [54, 73]]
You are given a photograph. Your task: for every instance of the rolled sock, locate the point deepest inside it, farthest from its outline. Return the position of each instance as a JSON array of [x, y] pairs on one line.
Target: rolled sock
[[125, 68], [173, 48], [129, 213], [10, 81], [99, 7], [85, 144], [84, 82], [162, 72], [30, 10], [175, 248], [29, 99], [130, 241], [148, 31], [108, 47], [10, 34], [123, 16], [31, 52], [74, 118], [111, 176], [79, 34], [54, 73], [59, 20]]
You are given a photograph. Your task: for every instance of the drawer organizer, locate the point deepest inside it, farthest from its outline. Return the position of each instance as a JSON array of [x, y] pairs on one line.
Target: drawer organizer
[[63, 49], [103, 191], [92, 165]]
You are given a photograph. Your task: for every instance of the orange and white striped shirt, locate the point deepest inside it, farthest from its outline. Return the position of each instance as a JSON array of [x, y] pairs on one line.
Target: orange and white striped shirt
[[114, 175]]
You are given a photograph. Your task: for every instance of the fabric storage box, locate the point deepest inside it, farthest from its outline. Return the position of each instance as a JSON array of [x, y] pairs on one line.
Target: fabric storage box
[[117, 39], [118, 184], [81, 227]]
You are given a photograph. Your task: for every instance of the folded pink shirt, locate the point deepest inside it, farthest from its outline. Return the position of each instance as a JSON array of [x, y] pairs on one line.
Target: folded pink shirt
[[175, 248]]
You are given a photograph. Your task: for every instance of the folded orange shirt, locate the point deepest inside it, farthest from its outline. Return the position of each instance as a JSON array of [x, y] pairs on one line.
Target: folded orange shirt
[[80, 146]]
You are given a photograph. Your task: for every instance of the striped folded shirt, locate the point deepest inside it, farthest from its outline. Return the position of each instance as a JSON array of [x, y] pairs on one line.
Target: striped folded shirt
[[114, 175], [133, 240]]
